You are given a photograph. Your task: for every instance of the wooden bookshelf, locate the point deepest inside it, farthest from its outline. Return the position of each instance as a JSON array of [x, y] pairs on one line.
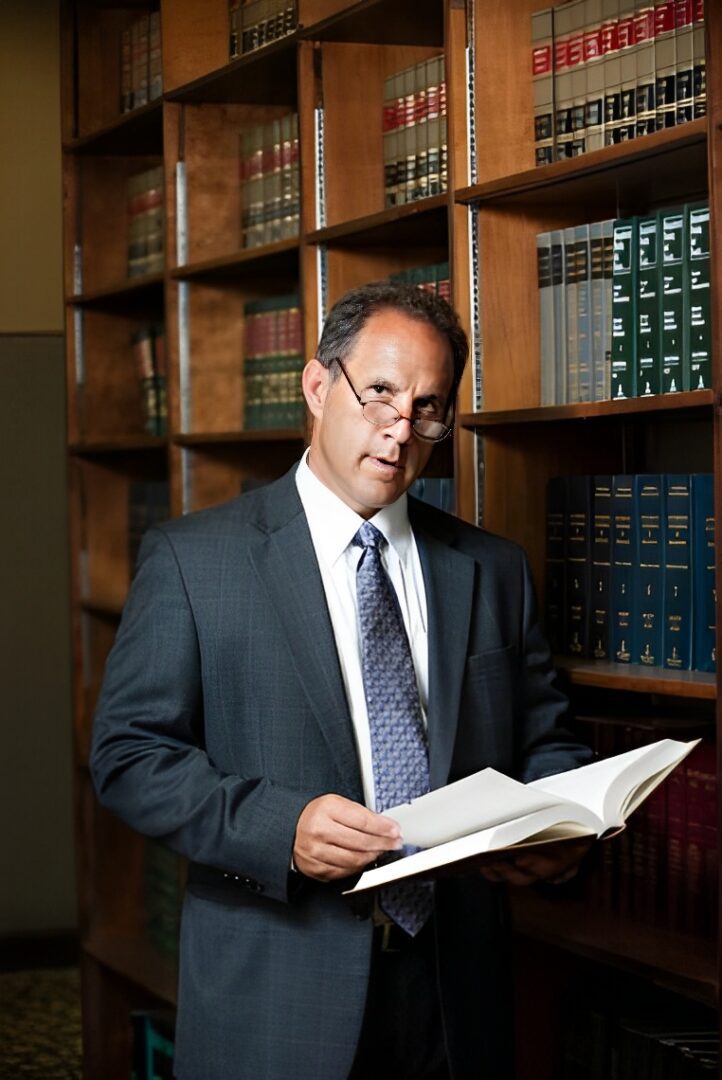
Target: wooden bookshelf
[[506, 446]]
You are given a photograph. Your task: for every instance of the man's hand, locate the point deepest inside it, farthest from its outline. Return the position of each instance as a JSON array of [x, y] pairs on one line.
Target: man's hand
[[336, 837], [530, 866]]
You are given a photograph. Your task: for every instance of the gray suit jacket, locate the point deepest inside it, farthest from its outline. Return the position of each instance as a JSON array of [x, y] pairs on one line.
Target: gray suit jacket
[[223, 713]]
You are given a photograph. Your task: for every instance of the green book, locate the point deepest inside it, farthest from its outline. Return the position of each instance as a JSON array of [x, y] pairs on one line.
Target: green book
[[648, 349], [700, 343], [624, 305], [672, 286]]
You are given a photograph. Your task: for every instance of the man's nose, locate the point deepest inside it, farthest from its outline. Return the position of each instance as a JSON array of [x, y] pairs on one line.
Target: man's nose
[[402, 430]]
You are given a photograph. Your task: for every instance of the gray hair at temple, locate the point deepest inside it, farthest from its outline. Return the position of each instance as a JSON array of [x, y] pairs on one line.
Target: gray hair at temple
[[349, 315]]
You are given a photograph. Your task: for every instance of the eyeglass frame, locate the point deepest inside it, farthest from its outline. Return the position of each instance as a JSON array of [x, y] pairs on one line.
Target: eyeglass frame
[[412, 420]]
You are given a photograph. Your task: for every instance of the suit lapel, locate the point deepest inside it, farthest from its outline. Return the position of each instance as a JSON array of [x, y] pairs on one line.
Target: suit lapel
[[285, 562], [449, 579]]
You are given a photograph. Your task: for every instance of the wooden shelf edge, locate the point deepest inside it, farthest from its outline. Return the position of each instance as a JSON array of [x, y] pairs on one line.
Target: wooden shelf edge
[[684, 964], [122, 124], [691, 399], [120, 445], [377, 221], [360, 13], [638, 678], [106, 607], [136, 960], [127, 287], [212, 267], [260, 435], [596, 161], [205, 85]]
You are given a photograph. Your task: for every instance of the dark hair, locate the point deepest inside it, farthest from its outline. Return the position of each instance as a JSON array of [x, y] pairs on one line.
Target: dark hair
[[349, 315]]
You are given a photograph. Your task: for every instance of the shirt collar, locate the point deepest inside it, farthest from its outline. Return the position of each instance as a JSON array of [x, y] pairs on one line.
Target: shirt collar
[[333, 524]]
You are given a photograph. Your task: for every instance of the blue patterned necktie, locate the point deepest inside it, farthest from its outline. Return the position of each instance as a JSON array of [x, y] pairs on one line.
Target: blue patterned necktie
[[398, 740]]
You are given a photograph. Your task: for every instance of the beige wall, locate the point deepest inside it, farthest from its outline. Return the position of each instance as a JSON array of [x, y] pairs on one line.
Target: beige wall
[[30, 182], [37, 892]]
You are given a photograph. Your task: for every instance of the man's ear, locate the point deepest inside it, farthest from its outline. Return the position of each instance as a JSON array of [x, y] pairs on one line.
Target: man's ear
[[314, 380]]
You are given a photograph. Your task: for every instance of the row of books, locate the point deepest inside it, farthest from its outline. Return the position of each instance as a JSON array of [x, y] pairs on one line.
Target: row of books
[[630, 569], [624, 307], [273, 359], [415, 132], [149, 352], [255, 23], [148, 505], [434, 278], [146, 222], [270, 182], [141, 67], [606, 71], [662, 870]]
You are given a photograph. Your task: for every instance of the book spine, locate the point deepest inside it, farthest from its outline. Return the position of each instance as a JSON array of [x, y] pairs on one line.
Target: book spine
[[665, 62], [546, 318], [700, 344], [572, 342], [672, 272], [555, 577], [703, 573], [594, 69], [684, 46], [624, 308], [647, 345], [578, 564], [542, 34], [648, 602], [598, 310], [628, 71], [646, 98], [677, 566], [608, 263], [563, 93], [622, 577], [584, 318], [612, 72], [699, 84], [601, 567], [560, 315]]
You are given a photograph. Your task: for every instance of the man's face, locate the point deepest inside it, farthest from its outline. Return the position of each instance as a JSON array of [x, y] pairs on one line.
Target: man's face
[[395, 358]]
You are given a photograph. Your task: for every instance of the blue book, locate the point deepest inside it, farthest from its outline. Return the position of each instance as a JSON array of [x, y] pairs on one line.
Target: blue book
[[578, 564], [677, 573], [703, 574], [622, 577], [601, 566], [647, 606]]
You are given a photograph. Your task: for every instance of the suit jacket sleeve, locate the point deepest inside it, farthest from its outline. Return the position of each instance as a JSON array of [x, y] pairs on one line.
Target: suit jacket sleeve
[[148, 759]]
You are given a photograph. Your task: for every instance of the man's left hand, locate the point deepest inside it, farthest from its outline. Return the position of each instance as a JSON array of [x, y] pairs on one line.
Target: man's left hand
[[529, 866]]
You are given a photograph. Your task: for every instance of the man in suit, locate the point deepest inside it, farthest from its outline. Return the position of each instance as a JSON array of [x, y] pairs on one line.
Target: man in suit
[[256, 716]]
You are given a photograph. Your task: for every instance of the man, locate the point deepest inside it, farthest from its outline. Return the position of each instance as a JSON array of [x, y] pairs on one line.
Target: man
[[288, 665]]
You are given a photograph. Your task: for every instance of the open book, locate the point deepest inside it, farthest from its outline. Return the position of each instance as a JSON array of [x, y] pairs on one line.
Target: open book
[[490, 812]]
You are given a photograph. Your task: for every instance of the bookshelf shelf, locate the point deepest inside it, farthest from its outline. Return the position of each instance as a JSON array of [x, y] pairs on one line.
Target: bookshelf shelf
[[279, 258], [279, 435], [662, 403], [667, 164], [266, 76], [147, 288], [137, 960], [398, 225], [120, 445], [139, 131], [384, 22], [638, 678], [684, 964]]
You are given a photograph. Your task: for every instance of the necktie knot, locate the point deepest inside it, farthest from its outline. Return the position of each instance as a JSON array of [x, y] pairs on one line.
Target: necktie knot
[[368, 536]]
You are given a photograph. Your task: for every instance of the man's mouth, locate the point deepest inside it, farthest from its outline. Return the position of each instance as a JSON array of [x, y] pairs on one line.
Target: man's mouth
[[386, 464]]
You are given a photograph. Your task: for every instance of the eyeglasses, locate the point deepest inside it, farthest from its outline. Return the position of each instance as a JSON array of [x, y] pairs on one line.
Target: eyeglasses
[[384, 414]]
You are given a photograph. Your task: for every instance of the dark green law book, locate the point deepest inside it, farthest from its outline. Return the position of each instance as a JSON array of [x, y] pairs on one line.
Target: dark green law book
[[700, 330], [678, 573], [622, 576], [648, 602], [624, 308], [601, 567], [704, 654], [578, 552], [649, 372], [673, 289]]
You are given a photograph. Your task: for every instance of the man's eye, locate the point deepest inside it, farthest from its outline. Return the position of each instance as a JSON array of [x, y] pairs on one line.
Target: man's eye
[[379, 388]]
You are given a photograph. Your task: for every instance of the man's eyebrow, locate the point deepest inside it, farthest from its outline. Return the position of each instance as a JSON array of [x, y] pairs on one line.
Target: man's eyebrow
[[383, 380]]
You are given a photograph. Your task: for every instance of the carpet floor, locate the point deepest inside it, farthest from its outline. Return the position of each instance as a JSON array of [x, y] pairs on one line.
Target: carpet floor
[[40, 1035]]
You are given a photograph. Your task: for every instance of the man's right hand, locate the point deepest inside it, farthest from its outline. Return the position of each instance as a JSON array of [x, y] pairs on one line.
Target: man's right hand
[[336, 837]]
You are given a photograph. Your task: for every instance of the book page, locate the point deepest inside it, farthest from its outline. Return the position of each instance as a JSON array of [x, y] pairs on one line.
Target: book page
[[608, 788], [477, 802]]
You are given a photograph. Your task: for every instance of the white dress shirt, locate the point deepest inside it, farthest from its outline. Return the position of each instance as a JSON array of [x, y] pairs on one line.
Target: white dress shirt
[[333, 526]]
